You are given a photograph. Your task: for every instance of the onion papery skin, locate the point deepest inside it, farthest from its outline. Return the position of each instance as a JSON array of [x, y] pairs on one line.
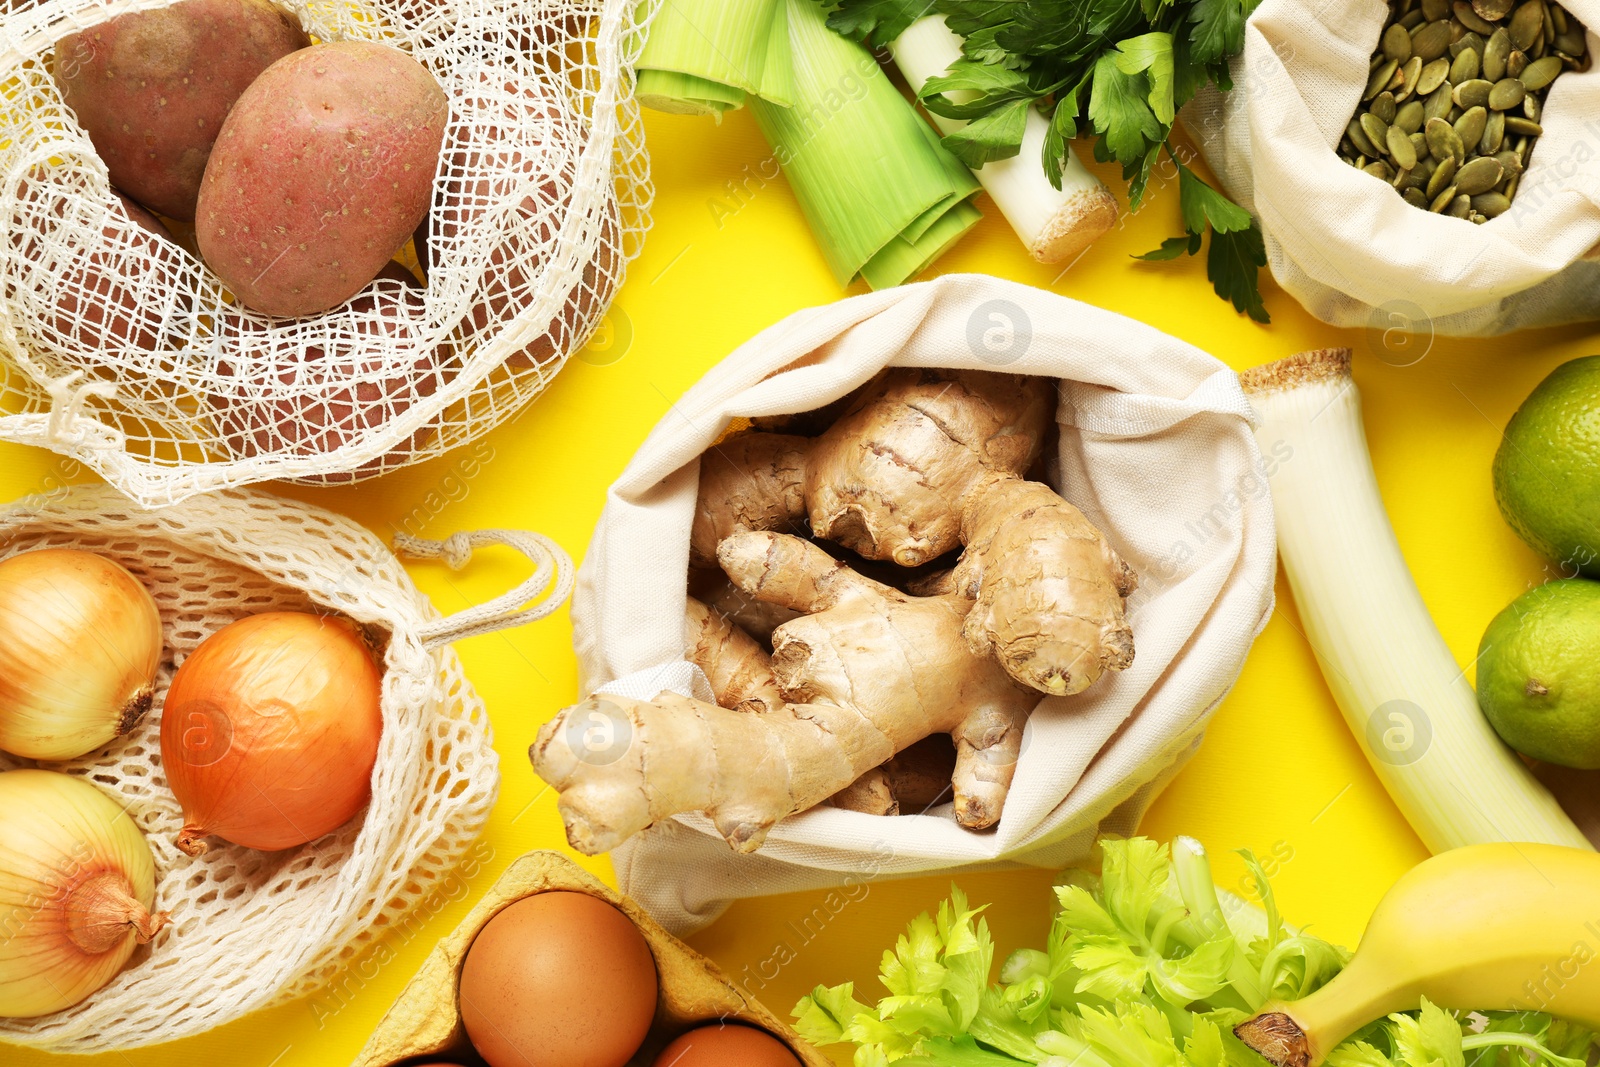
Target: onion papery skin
[[270, 731], [76, 886], [80, 644]]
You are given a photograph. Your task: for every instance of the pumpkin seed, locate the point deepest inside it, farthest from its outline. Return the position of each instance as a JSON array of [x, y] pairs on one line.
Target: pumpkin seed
[[1443, 141], [1438, 123], [1572, 43], [1479, 175], [1495, 51], [1380, 78], [1490, 205], [1430, 41], [1396, 43], [1358, 137], [1465, 41], [1469, 127], [1409, 117], [1376, 129], [1510, 162], [1438, 104], [1469, 18], [1506, 94], [1540, 73], [1443, 175], [1526, 23], [1467, 65], [1433, 75], [1494, 134], [1401, 149], [1410, 71], [1473, 93]]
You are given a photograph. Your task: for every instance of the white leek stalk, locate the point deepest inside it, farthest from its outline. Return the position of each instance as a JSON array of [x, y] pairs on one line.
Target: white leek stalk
[[704, 57], [1390, 671], [1054, 224]]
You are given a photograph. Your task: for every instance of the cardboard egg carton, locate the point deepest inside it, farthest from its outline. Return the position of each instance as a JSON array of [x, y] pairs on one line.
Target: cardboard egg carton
[[425, 1022]]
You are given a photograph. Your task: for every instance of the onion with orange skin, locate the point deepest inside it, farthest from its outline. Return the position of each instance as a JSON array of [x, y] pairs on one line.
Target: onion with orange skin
[[270, 731]]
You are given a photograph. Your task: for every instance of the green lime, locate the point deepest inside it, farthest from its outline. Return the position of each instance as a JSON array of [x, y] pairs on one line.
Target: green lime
[[1539, 673], [1547, 471]]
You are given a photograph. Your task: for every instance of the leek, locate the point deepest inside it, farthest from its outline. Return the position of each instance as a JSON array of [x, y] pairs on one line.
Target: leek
[[1054, 224], [882, 195], [1390, 671], [705, 57]]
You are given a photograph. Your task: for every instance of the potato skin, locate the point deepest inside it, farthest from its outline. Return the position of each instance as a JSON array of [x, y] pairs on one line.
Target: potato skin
[[314, 404], [152, 88], [322, 171]]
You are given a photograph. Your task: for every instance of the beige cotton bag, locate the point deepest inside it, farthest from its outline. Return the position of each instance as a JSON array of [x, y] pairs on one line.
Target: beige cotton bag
[[1343, 243], [253, 929], [1156, 449]]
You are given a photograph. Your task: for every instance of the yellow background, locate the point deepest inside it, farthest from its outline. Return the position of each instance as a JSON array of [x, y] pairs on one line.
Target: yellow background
[[728, 255]]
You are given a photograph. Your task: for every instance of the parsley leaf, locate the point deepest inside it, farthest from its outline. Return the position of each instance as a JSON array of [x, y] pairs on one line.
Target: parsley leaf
[[994, 86], [875, 23], [1151, 52], [997, 135], [1218, 29], [1203, 206], [1118, 109], [1232, 264]]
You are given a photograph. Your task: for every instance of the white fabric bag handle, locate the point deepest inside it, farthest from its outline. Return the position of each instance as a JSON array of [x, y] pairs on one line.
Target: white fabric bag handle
[[554, 575]]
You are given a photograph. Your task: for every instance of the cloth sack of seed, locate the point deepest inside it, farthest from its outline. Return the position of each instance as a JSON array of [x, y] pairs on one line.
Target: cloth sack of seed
[[1343, 242], [1155, 448]]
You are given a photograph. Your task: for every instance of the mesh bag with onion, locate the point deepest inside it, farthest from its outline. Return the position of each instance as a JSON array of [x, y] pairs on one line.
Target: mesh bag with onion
[[250, 929], [124, 351]]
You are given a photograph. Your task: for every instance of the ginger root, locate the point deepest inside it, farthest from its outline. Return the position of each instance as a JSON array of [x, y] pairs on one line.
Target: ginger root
[[867, 672], [1048, 590], [737, 668], [923, 462]]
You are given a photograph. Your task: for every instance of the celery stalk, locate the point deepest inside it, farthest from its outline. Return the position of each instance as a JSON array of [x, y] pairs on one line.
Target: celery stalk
[[880, 193], [704, 57]]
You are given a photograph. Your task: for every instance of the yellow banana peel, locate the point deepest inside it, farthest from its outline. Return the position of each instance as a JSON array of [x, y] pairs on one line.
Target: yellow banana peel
[[1495, 927]]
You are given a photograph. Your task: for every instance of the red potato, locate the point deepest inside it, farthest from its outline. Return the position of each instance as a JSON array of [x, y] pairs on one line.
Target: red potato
[[322, 171], [508, 151], [95, 310], [152, 88], [301, 408]]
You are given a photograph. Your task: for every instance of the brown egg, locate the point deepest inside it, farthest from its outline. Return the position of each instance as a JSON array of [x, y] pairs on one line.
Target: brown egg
[[558, 980], [722, 1045]]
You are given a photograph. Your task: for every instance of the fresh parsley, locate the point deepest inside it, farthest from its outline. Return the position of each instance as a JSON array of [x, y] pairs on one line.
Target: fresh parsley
[[1119, 68]]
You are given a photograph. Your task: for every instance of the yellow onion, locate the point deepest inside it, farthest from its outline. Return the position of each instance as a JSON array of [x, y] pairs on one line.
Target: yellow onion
[[76, 887], [80, 643], [270, 731]]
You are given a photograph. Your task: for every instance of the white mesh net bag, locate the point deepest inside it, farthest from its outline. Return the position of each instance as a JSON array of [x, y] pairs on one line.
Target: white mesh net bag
[[124, 351], [251, 929]]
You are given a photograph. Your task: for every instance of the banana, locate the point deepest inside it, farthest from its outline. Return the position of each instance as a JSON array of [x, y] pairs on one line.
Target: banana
[[1498, 927]]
